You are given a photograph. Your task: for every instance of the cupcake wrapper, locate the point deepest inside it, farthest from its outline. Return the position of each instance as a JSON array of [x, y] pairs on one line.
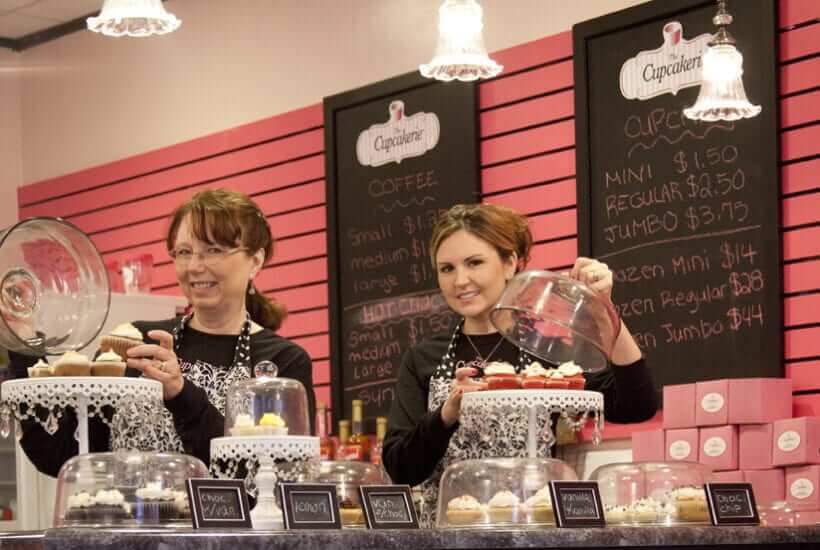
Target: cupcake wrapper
[[147, 511], [118, 345]]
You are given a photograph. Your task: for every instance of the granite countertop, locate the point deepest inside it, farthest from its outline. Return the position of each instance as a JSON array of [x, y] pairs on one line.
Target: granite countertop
[[434, 539]]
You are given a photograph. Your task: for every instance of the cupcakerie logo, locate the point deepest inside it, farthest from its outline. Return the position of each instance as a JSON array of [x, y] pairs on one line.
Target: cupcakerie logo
[[399, 138]]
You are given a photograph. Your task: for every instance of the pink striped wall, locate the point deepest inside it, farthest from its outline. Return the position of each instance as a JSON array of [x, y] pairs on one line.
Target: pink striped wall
[[528, 163]]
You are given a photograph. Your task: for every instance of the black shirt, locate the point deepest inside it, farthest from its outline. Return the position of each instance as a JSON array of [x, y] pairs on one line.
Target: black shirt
[[196, 420]]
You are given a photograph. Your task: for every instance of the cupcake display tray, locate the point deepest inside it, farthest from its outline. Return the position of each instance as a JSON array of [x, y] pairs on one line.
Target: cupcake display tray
[[86, 395], [575, 407]]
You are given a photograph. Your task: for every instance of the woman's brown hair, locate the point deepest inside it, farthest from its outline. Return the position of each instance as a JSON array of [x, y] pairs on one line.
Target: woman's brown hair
[[230, 218], [502, 227]]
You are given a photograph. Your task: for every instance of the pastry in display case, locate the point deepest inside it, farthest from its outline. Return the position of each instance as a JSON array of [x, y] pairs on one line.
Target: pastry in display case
[[348, 476], [125, 489], [655, 493], [496, 492]]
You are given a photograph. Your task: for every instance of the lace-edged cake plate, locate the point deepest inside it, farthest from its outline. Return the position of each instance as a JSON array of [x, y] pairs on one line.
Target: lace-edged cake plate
[[556, 400], [86, 395], [295, 457]]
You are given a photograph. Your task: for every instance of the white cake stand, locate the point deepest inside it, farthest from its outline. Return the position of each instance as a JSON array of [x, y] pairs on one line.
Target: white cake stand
[[295, 457], [574, 406], [87, 395]]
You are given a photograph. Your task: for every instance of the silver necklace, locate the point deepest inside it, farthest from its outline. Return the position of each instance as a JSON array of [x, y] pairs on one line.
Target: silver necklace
[[492, 351]]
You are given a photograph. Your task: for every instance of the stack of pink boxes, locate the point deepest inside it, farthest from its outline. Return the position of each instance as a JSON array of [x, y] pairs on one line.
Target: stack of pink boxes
[[743, 429]]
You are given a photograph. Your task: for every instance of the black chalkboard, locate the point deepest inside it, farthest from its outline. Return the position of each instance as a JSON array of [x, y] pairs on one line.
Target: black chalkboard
[[686, 214], [577, 504], [310, 506], [389, 507], [397, 153], [732, 504], [218, 503]]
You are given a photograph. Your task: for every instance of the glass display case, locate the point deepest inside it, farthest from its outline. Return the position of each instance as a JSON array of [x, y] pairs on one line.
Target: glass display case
[[655, 493], [266, 405], [499, 492], [125, 489], [348, 476]]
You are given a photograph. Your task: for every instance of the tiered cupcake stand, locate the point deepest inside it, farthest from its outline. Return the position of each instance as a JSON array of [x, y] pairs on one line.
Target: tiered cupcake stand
[[295, 457], [482, 410], [132, 398]]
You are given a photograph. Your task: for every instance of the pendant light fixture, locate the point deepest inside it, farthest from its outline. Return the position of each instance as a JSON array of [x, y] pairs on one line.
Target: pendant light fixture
[[460, 54], [722, 95], [133, 18]]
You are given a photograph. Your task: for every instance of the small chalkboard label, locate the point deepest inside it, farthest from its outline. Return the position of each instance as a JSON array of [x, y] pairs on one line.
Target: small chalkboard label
[[732, 504], [577, 504], [389, 507], [310, 506], [218, 503]]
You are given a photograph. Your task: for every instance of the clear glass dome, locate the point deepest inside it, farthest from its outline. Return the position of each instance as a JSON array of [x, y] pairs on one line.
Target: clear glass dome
[[266, 405], [499, 492], [653, 492], [557, 319], [348, 476], [125, 489], [54, 293]]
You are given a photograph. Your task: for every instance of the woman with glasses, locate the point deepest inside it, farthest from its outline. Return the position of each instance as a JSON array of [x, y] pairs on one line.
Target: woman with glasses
[[219, 241]]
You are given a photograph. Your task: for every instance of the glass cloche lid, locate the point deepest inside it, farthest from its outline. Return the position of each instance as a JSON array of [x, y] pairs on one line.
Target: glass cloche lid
[[126, 488], [266, 405], [653, 492], [499, 492], [557, 319], [348, 476]]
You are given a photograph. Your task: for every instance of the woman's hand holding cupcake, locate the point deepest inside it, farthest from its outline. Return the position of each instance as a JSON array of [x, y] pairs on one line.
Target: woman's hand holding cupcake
[[158, 362], [451, 410]]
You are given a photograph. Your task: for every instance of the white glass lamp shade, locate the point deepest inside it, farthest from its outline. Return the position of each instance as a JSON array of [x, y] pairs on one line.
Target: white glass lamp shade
[[133, 18], [460, 54], [722, 96]]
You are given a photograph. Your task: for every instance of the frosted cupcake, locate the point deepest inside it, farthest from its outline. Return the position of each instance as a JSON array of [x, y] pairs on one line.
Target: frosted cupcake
[[243, 425], [121, 339], [690, 504], [503, 507], [40, 369], [539, 507], [573, 374], [272, 424], [500, 375], [72, 363], [155, 504], [534, 376], [465, 510], [108, 364]]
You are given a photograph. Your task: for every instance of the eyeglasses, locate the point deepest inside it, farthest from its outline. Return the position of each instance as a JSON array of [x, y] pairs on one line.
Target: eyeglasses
[[209, 257]]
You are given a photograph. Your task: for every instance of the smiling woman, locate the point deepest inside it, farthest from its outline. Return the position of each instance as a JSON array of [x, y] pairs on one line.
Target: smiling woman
[[219, 241], [476, 249]]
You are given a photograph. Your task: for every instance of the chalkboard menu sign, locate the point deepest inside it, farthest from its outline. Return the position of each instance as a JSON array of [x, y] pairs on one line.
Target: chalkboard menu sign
[[218, 503], [388, 507], [310, 506], [397, 154], [685, 213], [577, 504], [732, 504]]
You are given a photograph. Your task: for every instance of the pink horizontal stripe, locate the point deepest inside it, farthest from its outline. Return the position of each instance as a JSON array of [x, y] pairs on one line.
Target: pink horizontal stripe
[[551, 166], [527, 84], [529, 142]]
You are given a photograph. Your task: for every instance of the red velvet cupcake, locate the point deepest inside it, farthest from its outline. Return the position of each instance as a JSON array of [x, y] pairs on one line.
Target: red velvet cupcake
[[534, 377], [501, 376], [574, 374]]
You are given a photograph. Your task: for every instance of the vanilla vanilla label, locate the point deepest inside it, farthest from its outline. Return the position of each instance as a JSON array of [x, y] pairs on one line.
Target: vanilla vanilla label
[[714, 446], [788, 441], [712, 402], [680, 450], [675, 65], [399, 138], [801, 488]]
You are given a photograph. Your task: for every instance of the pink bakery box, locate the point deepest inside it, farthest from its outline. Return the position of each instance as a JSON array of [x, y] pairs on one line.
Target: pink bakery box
[[755, 447], [807, 517], [682, 445], [796, 441], [712, 403], [759, 400], [803, 487], [718, 447], [679, 406], [729, 476], [769, 485], [648, 446]]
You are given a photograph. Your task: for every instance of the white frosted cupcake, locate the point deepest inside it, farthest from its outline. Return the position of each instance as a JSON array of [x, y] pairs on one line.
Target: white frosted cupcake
[[72, 363], [40, 369], [108, 364], [503, 507], [539, 507], [465, 510], [121, 339]]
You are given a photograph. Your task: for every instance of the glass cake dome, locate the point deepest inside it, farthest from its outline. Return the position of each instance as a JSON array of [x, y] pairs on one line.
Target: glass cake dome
[[348, 476], [557, 319], [496, 492], [653, 492], [266, 405], [127, 488]]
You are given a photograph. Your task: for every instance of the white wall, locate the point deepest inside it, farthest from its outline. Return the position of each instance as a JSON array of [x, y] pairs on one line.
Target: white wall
[[11, 149], [88, 99]]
